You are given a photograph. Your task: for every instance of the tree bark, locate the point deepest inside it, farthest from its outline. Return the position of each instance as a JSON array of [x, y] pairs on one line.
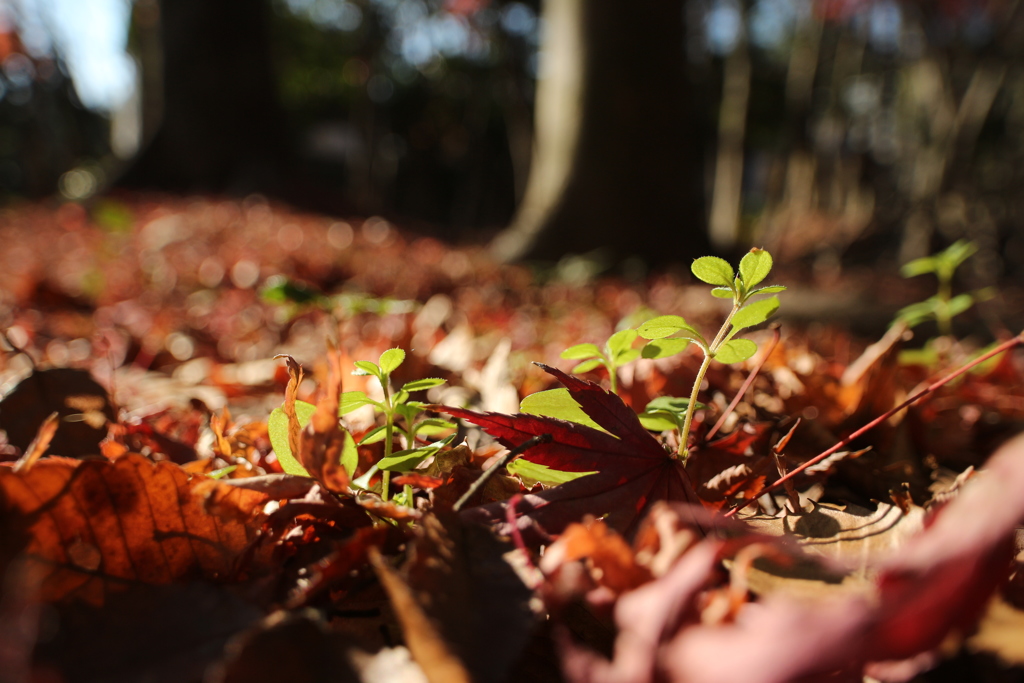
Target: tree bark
[[221, 127], [617, 160]]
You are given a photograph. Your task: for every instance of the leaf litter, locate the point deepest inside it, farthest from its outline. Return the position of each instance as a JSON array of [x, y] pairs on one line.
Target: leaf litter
[[177, 543]]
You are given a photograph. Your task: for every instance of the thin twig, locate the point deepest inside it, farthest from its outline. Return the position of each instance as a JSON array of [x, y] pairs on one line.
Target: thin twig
[[1005, 346], [746, 385], [505, 459]]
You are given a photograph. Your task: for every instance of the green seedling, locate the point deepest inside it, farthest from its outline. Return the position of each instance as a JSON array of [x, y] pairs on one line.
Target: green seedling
[[277, 428], [396, 407], [670, 334], [617, 351], [943, 306]]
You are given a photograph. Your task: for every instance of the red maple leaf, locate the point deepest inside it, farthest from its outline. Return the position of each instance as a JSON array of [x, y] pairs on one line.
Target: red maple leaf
[[633, 469]]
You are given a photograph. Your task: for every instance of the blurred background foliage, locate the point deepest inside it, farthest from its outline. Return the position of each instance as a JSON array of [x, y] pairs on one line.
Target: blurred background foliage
[[828, 131]]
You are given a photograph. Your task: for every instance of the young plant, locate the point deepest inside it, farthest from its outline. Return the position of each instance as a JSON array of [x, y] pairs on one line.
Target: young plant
[[943, 305], [617, 351], [670, 334], [394, 407]]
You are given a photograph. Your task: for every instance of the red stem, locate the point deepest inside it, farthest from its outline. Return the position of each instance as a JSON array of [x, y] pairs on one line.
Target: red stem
[[1005, 346], [746, 385]]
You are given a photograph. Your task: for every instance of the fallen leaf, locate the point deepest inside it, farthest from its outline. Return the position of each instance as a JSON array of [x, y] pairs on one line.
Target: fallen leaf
[[633, 469], [92, 527], [428, 648], [80, 402]]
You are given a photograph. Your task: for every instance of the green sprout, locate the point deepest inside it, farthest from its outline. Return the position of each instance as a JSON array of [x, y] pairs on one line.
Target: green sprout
[[617, 351], [399, 413], [724, 348], [396, 406], [943, 306]]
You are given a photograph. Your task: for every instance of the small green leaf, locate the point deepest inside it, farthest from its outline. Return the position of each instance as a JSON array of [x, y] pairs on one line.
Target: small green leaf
[[406, 460], [587, 366], [531, 474], [735, 350], [755, 313], [915, 314], [401, 396], [627, 356], [581, 351], [658, 420], [366, 367], [409, 410], [277, 429], [955, 254], [958, 304], [433, 427], [349, 455], [770, 289], [421, 384], [673, 404], [351, 400], [722, 292], [713, 270], [919, 266], [557, 403], [374, 435], [755, 266], [663, 348], [391, 359], [662, 326], [621, 342]]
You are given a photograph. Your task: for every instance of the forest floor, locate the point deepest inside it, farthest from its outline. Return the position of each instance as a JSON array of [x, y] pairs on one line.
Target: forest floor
[[148, 532]]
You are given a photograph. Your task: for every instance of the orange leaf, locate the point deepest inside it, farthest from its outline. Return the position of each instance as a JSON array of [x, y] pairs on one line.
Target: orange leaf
[[88, 528]]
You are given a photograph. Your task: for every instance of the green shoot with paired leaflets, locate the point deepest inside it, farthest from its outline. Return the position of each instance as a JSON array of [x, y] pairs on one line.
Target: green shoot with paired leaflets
[[617, 351], [943, 306], [399, 413], [668, 335]]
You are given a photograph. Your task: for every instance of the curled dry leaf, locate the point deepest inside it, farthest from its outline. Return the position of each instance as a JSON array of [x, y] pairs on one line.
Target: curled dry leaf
[[92, 527]]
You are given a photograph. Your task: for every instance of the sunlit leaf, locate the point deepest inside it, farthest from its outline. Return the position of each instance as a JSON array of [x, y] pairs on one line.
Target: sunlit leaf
[[755, 266], [627, 356], [421, 384], [587, 366], [406, 460], [736, 350], [531, 473], [352, 400], [673, 404], [373, 436], [349, 455], [557, 403], [958, 304], [620, 342], [755, 313], [658, 420], [662, 326], [277, 428], [366, 367], [713, 270], [722, 292], [663, 348], [391, 359], [581, 351], [920, 266], [770, 289]]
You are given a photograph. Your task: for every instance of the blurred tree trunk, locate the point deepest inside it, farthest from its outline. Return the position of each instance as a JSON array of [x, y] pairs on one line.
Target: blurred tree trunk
[[617, 159], [221, 127]]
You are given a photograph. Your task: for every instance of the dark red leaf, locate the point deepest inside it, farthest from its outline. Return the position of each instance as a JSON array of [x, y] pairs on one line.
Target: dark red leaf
[[634, 471]]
